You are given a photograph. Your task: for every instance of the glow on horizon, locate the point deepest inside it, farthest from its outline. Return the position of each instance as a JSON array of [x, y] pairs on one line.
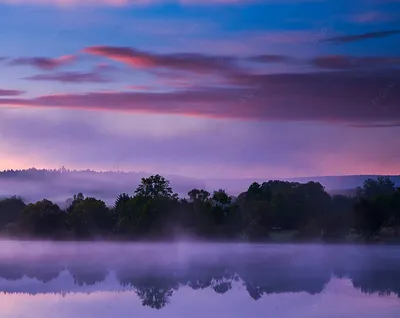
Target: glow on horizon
[[213, 89]]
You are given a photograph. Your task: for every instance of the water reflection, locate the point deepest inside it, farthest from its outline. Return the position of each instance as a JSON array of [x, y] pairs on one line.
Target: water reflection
[[154, 274]]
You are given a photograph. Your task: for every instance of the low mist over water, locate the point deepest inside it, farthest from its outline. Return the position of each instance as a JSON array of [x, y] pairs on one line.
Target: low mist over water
[[47, 279]]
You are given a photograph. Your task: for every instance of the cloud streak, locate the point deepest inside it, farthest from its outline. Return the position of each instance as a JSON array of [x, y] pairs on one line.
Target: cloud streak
[[179, 61], [10, 92], [44, 63], [341, 97], [71, 77], [343, 62], [270, 58], [362, 36]]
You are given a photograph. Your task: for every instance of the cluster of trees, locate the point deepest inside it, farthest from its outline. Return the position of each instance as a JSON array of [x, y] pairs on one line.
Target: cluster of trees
[[155, 211]]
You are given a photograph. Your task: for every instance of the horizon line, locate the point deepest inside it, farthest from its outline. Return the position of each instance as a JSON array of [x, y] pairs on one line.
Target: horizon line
[[177, 175]]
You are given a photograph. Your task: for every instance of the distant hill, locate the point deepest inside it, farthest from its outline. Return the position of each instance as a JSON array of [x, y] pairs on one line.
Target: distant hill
[[59, 185]]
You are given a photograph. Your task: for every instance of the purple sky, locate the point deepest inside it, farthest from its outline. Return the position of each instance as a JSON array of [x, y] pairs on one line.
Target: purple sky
[[211, 88]]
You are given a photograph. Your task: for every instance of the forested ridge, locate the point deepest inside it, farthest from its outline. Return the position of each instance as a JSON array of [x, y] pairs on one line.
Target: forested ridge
[[289, 210]]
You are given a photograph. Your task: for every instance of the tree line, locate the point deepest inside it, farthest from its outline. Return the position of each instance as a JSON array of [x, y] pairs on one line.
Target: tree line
[[154, 211]]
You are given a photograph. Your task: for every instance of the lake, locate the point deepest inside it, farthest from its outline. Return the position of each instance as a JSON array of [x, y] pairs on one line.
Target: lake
[[45, 279]]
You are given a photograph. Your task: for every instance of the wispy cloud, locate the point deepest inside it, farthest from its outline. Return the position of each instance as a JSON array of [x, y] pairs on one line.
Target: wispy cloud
[[44, 63], [289, 36], [350, 62], [342, 97], [10, 92], [71, 77], [199, 63], [362, 36], [270, 58], [141, 87]]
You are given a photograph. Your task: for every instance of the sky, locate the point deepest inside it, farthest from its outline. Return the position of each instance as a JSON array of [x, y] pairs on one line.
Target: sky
[[206, 89]]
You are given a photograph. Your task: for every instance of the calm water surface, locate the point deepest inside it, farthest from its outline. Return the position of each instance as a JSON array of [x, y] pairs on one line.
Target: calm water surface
[[54, 280]]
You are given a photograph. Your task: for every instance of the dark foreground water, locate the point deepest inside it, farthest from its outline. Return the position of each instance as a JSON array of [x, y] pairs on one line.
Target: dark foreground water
[[198, 280]]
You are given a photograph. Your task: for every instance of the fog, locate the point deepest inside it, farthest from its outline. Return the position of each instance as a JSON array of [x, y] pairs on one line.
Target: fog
[[33, 185], [111, 254]]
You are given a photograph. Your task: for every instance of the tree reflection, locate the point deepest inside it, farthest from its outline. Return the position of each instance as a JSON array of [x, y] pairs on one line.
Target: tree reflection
[[87, 275], [43, 272], [155, 283], [153, 290]]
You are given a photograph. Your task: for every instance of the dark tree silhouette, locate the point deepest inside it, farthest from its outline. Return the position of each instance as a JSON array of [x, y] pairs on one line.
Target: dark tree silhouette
[[10, 211], [154, 187], [43, 218], [154, 211], [373, 188], [90, 217], [198, 195]]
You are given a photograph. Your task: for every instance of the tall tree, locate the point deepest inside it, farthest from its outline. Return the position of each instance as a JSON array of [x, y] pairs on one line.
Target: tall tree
[[155, 186], [375, 187], [220, 197], [376, 208], [74, 201], [198, 195], [10, 210]]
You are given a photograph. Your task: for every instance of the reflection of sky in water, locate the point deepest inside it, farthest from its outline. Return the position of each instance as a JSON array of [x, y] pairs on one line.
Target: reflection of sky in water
[[306, 285]]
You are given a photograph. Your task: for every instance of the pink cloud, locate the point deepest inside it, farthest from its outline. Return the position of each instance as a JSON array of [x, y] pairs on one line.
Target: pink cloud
[[199, 63], [125, 55]]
